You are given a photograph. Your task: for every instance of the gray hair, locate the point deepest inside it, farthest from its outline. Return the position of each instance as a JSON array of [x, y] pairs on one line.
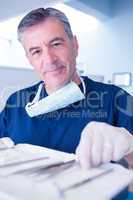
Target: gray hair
[[39, 15]]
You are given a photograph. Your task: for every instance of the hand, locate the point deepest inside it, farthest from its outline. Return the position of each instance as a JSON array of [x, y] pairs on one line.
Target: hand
[[102, 143]]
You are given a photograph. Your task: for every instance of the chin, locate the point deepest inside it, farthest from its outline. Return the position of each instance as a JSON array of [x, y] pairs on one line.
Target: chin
[[56, 78], [60, 82]]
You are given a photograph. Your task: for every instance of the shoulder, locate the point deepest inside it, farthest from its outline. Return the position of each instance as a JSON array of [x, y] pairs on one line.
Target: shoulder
[[109, 92], [102, 87], [24, 95]]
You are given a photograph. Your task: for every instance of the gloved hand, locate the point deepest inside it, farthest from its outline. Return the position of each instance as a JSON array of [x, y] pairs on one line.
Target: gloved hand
[[102, 143]]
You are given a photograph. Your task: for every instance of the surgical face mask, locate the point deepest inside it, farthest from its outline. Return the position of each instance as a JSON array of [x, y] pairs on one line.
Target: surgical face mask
[[61, 98]]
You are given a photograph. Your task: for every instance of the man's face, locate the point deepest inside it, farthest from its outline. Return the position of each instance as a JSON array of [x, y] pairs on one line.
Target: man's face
[[51, 52]]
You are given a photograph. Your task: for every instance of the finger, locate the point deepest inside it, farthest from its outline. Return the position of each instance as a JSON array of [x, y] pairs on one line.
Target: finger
[[120, 147], [83, 153], [82, 159], [107, 154], [97, 148]]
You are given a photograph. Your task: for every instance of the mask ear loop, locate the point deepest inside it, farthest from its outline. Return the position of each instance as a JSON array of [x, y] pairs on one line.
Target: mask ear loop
[[36, 98], [83, 84]]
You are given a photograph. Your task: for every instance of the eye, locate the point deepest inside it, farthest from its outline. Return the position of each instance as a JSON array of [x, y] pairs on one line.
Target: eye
[[36, 52], [56, 44]]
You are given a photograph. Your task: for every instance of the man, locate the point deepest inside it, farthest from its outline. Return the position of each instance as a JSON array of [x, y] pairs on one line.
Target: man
[[64, 111]]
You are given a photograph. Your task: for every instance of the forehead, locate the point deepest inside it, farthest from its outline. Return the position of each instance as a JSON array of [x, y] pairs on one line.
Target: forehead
[[46, 30]]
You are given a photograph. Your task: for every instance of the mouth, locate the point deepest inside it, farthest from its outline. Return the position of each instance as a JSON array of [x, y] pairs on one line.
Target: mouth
[[57, 70]]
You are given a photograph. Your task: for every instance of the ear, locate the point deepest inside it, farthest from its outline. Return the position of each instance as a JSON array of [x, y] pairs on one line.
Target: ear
[[76, 46]]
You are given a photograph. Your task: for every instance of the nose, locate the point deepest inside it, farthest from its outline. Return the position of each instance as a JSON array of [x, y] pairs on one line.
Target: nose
[[48, 56]]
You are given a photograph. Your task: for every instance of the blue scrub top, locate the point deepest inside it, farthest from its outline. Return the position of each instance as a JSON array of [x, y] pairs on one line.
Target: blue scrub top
[[61, 130]]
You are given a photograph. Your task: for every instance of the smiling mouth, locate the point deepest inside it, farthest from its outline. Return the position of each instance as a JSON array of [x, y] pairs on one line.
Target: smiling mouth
[[56, 69]]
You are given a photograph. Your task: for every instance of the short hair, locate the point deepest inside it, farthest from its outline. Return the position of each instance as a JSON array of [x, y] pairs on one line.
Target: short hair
[[39, 15]]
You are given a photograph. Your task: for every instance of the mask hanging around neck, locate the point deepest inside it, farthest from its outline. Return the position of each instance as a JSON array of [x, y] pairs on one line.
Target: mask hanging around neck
[[61, 98]]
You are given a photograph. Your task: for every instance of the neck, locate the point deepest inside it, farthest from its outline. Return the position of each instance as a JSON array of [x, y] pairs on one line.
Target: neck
[[50, 89]]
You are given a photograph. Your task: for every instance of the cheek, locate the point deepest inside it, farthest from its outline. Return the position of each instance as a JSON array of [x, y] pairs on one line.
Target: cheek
[[38, 69], [36, 64], [69, 58], [72, 60], [64, 54]]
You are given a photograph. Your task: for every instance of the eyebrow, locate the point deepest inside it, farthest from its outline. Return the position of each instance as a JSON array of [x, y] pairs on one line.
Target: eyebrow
[[57, 39], [51, 41]]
